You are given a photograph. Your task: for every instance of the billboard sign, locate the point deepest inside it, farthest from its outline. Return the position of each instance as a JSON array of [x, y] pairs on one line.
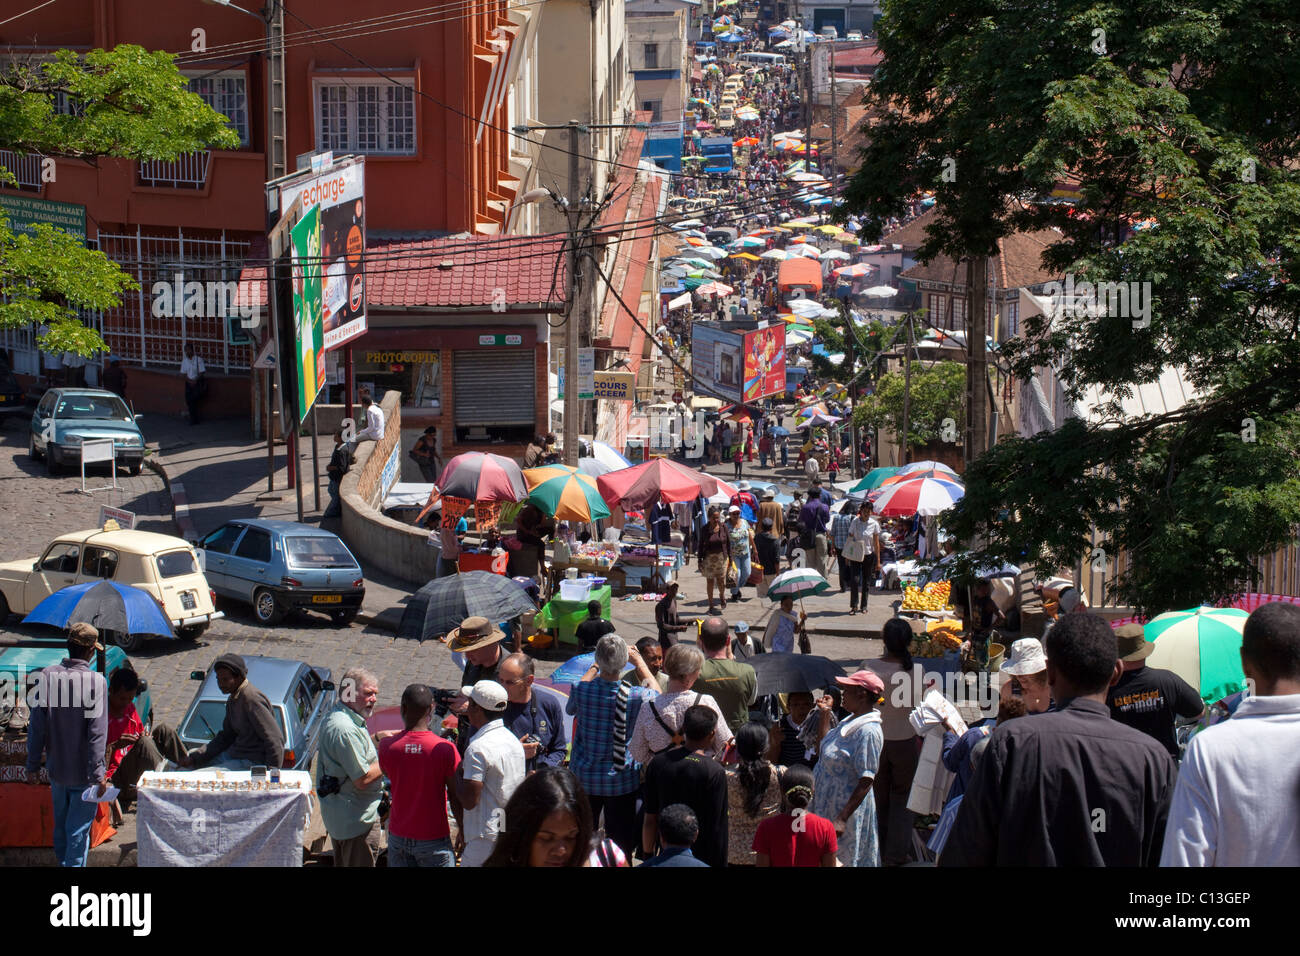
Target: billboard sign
[[308, 336], [717, 366], [764, 359], [25, 211], [616, 386], [340, 193]]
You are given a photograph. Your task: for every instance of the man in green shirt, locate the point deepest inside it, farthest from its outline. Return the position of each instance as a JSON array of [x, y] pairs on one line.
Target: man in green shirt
[[733, 684], [350, 779]]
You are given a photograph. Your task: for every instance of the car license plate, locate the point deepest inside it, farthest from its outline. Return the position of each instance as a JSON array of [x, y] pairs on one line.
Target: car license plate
[[327, 599], [187, 600]]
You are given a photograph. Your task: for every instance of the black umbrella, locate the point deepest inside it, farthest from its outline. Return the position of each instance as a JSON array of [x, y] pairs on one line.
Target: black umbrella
[[787, 673], [443, 603]]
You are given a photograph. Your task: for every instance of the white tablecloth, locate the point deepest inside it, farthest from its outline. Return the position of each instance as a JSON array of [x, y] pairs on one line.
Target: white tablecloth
[[221, 827]]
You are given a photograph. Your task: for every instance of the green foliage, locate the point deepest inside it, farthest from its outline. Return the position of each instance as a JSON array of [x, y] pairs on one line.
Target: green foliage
[[126, 102], [859, 344], [938, 392], [1182, 114]]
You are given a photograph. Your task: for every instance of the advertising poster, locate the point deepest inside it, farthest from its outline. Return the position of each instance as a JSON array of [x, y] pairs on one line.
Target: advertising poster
[[340, 193], [764, 362], [717, 365], [305, 252]]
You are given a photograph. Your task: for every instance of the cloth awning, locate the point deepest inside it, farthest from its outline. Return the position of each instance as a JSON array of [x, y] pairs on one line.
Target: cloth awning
[[681, 301]]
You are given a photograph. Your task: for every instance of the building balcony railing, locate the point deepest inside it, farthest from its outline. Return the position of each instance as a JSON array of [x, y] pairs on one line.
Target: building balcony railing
[[25, 167], [187, 171]]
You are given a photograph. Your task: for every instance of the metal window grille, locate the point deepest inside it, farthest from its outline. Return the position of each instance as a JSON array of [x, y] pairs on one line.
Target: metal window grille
[[138, 331], [227, 94], [25, 167], [361, 117], [187, 171]]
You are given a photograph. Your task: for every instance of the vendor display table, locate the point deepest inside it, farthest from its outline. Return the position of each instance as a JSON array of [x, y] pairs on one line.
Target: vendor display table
[[563, 617], [221, 827]]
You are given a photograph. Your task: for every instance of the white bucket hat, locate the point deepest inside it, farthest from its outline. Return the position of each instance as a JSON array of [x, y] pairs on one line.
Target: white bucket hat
[[1027, 657]]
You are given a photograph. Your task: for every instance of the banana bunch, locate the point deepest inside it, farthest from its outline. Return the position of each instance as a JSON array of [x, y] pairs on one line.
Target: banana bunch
[[933, 597]]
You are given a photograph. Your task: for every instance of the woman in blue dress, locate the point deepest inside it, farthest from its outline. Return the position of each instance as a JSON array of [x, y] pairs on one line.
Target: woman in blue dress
[[848, 758]]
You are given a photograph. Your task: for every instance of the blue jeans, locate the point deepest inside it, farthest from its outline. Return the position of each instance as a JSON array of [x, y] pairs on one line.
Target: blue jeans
[[335, 507], [72, 819], [785, 456], [419, 853], [742, 570]]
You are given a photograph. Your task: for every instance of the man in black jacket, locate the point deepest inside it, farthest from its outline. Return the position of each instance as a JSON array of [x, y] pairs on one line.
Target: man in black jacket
[[250, 734], [1071, 787], [339, 464]]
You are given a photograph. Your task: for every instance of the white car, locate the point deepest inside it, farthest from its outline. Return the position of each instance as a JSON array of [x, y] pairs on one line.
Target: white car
[[854, 35]]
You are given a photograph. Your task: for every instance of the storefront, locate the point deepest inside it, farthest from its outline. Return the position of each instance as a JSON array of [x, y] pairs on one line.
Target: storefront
[[483, 388]]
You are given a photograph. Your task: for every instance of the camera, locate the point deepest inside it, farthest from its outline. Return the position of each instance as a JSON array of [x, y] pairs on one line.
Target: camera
[[328, 786], [442, 701]]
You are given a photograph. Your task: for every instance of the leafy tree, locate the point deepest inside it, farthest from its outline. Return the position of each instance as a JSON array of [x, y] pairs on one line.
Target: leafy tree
[[1181, 116], [937, 393], [126, 102]]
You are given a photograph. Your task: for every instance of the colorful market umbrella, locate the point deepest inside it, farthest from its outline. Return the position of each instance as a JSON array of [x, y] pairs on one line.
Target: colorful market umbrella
[[122, 610], [1202, 646], [818, 420], [873, 479], [804, 249], [838, 255], [747, 256], [798, 336], [565, 493], [924, 496], [816, 408], [778, 254], [478, 476], [928, 464], [908, 474], [855, 271], [747, 141], [659, 479], [715, 288]]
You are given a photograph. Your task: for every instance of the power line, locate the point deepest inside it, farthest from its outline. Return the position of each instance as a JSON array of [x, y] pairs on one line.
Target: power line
[[25, 12]]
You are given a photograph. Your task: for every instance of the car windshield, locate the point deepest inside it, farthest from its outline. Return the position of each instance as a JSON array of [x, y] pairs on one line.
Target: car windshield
[[205, 723], [93, 407], [318, 552], [175, 563]]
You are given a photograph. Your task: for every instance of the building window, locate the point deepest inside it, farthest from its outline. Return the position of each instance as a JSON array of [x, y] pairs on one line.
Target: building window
[[652, 56], [655, 107], [227, 93], [366, 117], [1013, 319]]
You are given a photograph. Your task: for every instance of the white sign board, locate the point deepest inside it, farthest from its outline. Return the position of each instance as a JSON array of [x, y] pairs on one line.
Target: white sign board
[[125, 519], [586, 373], [97, 451]]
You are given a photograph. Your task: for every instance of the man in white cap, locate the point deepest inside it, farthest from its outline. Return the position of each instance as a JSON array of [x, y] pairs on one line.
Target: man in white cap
[[1026, 675], [1147, 698], [493, 767]]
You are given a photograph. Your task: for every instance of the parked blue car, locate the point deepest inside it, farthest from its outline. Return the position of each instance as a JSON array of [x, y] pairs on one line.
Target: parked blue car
[[66, 417], [301, 695], [279, 566]]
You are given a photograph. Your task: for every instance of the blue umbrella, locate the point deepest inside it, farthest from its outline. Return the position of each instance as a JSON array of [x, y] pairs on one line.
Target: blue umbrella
[[780, 431], [106, 605], [572, 670]]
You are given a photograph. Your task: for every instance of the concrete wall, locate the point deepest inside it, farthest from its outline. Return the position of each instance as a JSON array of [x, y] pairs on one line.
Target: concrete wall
[[398, 549]]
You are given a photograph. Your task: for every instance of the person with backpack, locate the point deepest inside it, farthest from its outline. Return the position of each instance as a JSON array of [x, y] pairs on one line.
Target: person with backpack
[[659, 723]]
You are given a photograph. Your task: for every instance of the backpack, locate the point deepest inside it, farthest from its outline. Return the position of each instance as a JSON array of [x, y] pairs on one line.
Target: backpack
[[675, 735]]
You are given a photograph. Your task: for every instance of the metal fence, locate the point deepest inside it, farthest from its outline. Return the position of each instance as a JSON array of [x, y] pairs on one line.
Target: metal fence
[[25, 167], [187, 171], [139, 332]]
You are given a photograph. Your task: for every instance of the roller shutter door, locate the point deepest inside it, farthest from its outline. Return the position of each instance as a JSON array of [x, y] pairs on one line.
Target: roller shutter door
[[495, 387]]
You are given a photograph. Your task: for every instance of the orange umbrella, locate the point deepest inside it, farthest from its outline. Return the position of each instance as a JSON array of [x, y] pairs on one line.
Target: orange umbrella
[[696, 241]]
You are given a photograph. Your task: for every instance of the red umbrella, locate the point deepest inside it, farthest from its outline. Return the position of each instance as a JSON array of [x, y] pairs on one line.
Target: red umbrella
[[482, 477], [657, 480]]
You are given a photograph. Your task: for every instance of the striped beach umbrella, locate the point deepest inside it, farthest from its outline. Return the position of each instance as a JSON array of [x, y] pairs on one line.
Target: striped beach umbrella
[[934, 473], [565, 493], [797, 583], [1201, 645], [923, 496], [482, 477]]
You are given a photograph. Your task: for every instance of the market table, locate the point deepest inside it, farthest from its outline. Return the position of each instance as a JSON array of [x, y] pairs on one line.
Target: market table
[[563, 617], [221, 827]]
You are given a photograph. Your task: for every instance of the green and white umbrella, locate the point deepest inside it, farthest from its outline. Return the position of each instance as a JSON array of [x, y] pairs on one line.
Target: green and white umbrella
[[797, 583], [1202, 646]]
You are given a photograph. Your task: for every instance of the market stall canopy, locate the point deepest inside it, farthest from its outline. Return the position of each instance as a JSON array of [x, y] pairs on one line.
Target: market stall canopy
[[923, 496], [477, 476], [681, 302], [879, 292], [659, 479]]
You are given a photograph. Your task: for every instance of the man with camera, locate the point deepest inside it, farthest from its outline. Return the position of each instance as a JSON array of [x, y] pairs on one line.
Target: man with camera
[[351, 783], [533, 715]]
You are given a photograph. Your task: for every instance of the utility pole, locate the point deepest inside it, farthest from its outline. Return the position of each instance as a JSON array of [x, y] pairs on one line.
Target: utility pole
[[807, 48], [573, 302], [833, 163], [907, 393], [977, 403]]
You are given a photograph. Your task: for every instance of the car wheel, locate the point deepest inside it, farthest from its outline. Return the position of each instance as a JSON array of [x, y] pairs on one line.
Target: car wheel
[[264, 607], [344, 618], [128, 642], [4, 610], [32, 453]]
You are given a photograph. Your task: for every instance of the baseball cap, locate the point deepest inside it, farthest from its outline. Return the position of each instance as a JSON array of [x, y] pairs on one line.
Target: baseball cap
[[488, 694], [734, 510], [863, 678]]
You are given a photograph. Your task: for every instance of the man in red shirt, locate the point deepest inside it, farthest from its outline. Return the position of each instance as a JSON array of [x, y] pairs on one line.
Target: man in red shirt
[[131, 751], [421, 768]]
